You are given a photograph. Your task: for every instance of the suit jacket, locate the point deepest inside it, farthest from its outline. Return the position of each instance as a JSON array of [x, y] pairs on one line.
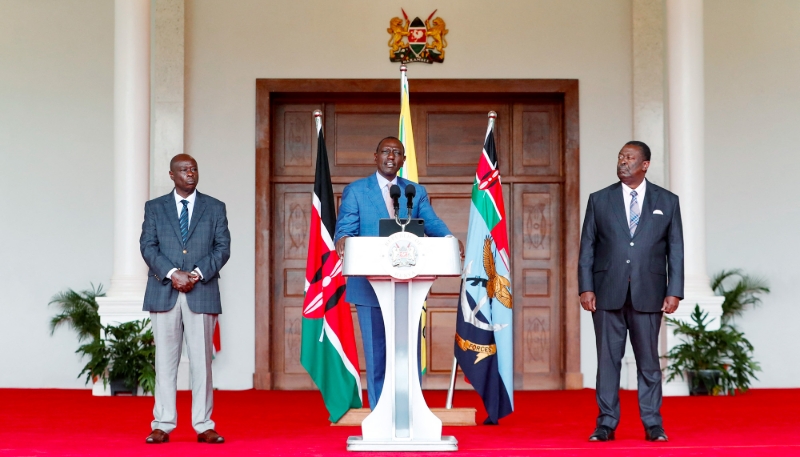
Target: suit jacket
[[362, 207], [208, 248], [652, 259]]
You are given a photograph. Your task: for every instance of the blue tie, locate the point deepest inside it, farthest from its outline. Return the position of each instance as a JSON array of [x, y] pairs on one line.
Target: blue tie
[[634, 209], [184, 219]]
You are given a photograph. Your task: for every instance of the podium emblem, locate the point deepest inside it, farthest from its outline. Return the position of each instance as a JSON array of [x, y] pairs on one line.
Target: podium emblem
[[404, 254]]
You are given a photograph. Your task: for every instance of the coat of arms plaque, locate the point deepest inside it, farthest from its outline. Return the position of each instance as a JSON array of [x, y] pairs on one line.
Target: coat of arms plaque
[[417, 41]]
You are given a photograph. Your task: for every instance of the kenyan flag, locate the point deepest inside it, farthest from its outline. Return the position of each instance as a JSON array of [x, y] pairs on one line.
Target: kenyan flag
[[484, 330], [328, 351]]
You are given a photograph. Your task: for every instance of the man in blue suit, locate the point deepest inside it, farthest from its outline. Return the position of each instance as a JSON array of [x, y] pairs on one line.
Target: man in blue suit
[[185, 242], [364, 203]]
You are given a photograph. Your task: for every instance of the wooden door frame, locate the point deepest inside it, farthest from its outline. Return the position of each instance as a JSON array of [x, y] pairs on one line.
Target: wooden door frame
[[267, 88]]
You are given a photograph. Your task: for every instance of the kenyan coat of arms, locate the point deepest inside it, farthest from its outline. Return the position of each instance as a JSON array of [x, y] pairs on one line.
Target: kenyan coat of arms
[[417, 41]]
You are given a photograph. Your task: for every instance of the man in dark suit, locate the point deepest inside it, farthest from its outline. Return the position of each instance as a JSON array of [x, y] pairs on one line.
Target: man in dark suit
[[185, 242], [364, 203], [630, 272]]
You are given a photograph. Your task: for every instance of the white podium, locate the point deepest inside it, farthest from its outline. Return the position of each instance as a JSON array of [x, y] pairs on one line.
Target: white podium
[[401, 269]]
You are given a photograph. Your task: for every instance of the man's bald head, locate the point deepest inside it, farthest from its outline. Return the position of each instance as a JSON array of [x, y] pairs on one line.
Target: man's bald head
[[181, 158], [183, 172]]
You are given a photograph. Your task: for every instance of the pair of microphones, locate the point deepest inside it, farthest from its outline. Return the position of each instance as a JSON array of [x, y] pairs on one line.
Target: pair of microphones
[[394, 193]]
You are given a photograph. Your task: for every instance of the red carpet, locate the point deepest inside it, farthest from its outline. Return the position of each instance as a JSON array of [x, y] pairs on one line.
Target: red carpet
[[72, 422]]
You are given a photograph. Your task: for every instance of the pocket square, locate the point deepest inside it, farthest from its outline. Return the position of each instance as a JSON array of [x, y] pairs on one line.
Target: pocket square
[[658, 211]]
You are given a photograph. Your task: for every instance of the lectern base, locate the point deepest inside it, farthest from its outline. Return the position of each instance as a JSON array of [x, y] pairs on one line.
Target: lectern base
[[356, 443]]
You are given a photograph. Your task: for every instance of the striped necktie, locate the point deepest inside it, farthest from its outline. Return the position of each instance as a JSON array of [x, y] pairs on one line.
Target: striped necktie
[[184, 220], [634, 213]]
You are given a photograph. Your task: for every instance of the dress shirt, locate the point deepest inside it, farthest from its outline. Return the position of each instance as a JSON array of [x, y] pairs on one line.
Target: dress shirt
[[382, 182], [626, 194], [190, 207], [191, 198]]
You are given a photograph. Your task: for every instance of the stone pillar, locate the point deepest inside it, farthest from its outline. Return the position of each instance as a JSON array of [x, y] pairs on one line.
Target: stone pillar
[[686, 158], [124, 300], [649, 79], [167, 111], [648, 83], [168, 83]]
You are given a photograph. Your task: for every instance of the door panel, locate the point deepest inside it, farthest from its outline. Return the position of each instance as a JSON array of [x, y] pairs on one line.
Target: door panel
[[537, 278], [449, 136]]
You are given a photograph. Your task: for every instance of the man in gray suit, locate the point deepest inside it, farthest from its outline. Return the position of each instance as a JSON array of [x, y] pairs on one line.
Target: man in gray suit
[[630, 272], [185, 242]]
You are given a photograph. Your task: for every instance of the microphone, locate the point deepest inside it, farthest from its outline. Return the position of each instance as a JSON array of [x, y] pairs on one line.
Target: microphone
[[411, 192], [394, 193]]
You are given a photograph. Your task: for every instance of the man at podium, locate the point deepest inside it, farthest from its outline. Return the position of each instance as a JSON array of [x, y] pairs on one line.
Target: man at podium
[[364, 203]]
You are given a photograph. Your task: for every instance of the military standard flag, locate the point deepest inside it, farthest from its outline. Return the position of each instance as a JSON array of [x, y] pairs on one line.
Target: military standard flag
[[328, 350], [484, 330]]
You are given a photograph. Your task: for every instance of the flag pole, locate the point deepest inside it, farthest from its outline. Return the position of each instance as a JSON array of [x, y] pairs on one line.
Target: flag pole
[[451, 389]]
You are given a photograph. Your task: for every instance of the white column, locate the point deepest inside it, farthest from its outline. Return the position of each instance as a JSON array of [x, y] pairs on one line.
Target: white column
[[167, 92], [647, 24], [131, 159], [649, 83], [686, 158]]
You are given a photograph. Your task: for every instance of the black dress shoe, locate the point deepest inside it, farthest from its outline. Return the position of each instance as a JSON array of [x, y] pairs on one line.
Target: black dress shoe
[[602, 433], [655, 433]]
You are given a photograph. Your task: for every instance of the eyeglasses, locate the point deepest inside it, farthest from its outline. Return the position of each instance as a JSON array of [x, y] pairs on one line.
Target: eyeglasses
[[387, 151]]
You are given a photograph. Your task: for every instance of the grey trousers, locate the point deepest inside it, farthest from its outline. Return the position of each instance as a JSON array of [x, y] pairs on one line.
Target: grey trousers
[[169, 329], [610, 328]]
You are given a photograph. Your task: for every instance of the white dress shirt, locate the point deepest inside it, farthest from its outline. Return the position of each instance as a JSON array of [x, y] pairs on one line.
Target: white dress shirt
[[626, 194], [190, 207], [191, 198]]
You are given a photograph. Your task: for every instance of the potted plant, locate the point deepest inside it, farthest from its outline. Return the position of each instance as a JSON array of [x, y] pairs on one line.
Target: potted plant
[[715, 361], [718, 361], [125, 357]]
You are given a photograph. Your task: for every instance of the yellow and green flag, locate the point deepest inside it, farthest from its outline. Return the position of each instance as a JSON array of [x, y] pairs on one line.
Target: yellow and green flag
[[409, 172]]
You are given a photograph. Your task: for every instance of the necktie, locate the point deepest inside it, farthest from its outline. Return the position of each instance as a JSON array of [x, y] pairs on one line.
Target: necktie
[[388, 200], [634, 213], [184, 220]]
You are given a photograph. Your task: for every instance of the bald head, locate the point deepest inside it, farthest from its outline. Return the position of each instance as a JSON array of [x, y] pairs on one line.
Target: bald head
[[183, 172], [180, 158]]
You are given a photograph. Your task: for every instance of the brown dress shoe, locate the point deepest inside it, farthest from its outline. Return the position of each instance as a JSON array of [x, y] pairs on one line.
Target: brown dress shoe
[[210, 436], [157, 437]]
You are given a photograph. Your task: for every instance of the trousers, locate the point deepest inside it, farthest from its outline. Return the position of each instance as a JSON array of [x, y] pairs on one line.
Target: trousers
[[169, 329]]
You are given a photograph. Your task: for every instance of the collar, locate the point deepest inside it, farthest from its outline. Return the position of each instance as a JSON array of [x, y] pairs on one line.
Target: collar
[[383, 181], [639, 190], [191, 198]]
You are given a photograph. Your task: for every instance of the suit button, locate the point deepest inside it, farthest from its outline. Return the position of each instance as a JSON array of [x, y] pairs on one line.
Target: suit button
[[627, 261], [184, 251], [631, 243]]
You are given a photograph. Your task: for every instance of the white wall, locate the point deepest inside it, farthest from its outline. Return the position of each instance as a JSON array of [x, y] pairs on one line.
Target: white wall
[[230, 44], [752, 54], [56, 140]]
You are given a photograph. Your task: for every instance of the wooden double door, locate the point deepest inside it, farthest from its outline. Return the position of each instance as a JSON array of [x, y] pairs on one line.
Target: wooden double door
[[449, 130]]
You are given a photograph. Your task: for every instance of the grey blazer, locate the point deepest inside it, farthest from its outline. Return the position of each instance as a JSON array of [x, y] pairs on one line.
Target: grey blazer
[[208, 248], [652, 259]]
